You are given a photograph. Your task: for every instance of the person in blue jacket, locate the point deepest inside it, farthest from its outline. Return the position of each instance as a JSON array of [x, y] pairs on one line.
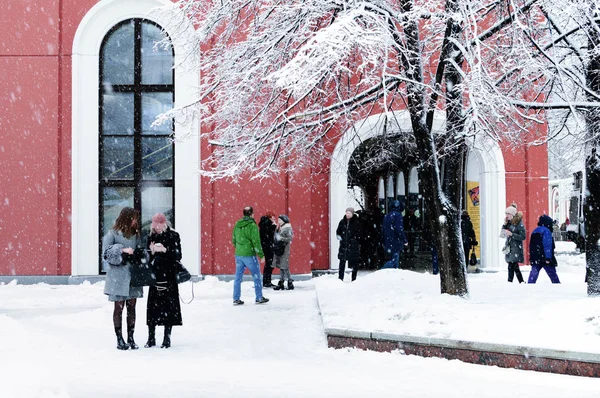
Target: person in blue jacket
[[394, 239], [541, 251]]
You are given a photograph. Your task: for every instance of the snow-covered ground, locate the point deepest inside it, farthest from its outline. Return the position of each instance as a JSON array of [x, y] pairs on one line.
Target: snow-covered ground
[[544, 315], [57, 341]]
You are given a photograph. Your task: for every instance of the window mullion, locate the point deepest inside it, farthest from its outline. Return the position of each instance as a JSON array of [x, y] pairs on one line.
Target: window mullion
[[137, 118]]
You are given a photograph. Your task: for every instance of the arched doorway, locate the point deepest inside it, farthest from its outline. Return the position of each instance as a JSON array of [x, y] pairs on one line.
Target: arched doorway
[[384, 167], [485, 167]]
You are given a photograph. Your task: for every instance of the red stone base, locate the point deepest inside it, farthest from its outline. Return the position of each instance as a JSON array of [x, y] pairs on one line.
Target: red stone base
[[562, 366]]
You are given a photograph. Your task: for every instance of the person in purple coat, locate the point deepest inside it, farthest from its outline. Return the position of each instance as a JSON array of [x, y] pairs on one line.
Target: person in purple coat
[[394, 239], [541, 251]]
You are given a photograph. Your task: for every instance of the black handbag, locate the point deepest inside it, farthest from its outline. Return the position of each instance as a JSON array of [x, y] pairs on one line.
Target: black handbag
[[141, 272], [473, 259], [183, 275], [142, 275]]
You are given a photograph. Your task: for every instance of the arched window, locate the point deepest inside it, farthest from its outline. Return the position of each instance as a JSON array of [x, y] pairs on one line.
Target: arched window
[[555, 203], [136, 160]]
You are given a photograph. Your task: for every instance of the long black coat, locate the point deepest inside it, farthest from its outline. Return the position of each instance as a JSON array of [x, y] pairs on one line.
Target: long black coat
[[468, 233], [267, 235], [163, 304], [350, 232]]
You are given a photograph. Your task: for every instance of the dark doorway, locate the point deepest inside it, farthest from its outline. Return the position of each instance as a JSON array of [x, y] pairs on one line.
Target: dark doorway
[[386, 168]]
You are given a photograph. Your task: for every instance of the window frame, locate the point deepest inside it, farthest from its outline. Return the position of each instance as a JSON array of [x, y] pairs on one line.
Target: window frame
[[138, 89]]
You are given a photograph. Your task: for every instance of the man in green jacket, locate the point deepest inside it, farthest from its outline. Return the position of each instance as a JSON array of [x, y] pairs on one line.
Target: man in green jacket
[[246, 240]]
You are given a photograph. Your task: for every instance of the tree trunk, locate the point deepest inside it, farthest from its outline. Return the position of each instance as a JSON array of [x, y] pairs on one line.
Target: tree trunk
[[453, 274], [592, 215], [443, 216], [592, 169], [454, 278]]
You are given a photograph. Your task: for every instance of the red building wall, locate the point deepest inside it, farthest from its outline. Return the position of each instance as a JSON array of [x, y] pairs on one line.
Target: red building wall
[[35, 152], [30, 147], [527, 181]]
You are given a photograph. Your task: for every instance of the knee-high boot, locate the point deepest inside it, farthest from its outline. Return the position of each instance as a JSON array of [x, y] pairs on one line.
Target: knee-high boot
[[130, 341], [121, 345], [151, 336], [167, 339]]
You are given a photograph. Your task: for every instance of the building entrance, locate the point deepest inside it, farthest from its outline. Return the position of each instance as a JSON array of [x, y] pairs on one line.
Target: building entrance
[[381, 170], [368, 171]]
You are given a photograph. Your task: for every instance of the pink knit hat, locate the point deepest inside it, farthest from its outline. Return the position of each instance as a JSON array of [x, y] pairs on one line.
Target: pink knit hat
[[159, 218]]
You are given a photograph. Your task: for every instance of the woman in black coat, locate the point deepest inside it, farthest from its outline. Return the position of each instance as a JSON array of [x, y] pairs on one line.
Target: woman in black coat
[[163, 298], [468, 234], [349, 233], [267, 226]]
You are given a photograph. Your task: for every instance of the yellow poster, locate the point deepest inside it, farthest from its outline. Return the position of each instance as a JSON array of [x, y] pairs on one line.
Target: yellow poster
[[473, 210]]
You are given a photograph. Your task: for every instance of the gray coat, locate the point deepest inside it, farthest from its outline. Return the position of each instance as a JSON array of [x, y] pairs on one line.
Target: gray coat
[[117, 274], [285, 234], [516, 241]]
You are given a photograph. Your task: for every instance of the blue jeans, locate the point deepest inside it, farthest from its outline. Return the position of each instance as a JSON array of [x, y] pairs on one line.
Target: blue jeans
[[241, 263], [394, 261]]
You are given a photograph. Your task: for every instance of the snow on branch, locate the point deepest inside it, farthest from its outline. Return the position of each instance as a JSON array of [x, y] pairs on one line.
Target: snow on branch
[[282, 79], [326, 51]]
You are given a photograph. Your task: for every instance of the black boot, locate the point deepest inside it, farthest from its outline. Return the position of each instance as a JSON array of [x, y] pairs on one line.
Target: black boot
[[130, 340], [290, 285], [279, 285], [121, 344], [151, 336], [167, 339]]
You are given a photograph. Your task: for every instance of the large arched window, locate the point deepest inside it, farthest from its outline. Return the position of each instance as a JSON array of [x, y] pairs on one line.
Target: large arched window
[[136, 160]]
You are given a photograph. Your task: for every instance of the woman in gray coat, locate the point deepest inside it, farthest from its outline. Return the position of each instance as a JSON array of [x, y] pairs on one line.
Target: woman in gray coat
[[514, 232], [283, 238], [118, 252]]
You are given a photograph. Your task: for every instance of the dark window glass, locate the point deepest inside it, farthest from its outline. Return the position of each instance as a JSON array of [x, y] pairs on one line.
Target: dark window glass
[[118, 55], [117, 113], [117, 159], [157, 59], [154, 104], [157, 161], [113, 200], [136, 160]]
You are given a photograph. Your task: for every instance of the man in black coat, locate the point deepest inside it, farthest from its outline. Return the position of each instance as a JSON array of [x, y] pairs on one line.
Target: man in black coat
[[349, 233], [267, 226]]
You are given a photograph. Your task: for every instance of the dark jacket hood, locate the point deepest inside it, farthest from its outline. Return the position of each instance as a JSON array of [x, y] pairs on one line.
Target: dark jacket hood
[[545, 221]]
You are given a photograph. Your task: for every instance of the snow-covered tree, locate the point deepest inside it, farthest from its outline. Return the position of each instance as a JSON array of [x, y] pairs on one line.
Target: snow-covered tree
[[585, 15], [282, 79], [571, 53]]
